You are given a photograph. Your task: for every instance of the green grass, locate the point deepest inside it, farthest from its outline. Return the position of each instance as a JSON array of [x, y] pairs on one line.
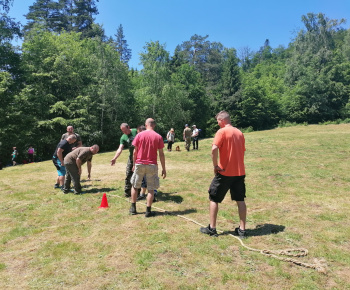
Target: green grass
[[298, 188]]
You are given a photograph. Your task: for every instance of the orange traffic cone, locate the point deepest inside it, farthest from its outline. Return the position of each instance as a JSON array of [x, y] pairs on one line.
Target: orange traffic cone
[[104, 202]]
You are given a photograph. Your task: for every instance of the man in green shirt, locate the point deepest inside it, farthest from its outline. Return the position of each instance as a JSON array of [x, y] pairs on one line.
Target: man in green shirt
[[126, 142]]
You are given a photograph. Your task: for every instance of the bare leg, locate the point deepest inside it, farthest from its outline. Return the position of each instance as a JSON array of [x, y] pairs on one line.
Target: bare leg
[[213, 212], [150, 197], [242, 211], [60, 180], [133, 194]]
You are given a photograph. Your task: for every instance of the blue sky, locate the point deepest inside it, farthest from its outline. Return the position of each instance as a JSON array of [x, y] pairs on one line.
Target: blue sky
[[234, 23]]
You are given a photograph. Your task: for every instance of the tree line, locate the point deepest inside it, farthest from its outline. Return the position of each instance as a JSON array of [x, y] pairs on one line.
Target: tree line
[[68, 72]]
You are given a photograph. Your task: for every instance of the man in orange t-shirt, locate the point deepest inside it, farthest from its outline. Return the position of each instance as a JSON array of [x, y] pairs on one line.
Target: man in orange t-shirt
[[229, 173]]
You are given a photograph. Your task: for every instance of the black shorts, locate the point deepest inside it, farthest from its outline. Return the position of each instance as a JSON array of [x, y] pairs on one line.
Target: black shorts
[[221, 184]]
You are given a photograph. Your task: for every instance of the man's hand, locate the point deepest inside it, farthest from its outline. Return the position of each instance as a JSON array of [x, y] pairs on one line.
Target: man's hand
[[164, 173], [113, 161], [217, 169]]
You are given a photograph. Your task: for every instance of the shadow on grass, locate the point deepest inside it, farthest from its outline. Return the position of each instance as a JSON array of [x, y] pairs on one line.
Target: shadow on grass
[[261, 230], [174, 213], [169, 196], [88, 180], [96, 190]]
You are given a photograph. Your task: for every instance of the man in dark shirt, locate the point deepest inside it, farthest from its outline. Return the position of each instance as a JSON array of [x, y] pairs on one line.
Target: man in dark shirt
[[73, 162], [62, 149], [70, 131]]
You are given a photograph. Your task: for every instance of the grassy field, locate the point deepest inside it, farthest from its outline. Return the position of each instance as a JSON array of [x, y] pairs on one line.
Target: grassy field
[[298, 186]]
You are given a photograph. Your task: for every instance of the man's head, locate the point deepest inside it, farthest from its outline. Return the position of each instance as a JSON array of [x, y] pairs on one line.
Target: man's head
[[150, 124], [94, 149], [71, 139], [186, 125], [223, 118], [125, 128], [194, 126], [141, 128], [70, 129]]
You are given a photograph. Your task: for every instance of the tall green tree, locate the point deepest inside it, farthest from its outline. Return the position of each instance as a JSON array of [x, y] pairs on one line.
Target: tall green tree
[[121, 45], [309, 70]]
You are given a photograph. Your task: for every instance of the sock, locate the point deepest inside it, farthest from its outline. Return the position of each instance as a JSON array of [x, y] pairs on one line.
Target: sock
[[148, 209], [133, 205]]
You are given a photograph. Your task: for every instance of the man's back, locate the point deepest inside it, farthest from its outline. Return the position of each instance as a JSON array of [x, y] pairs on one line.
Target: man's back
[[148, 143], [83, 153], [231, 144], [187, 132]]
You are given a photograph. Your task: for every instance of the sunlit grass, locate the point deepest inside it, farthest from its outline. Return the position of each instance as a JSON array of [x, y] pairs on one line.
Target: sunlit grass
[[297, 197]]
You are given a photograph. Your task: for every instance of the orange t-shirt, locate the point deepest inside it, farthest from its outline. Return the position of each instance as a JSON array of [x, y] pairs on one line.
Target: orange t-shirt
[[231, 144]]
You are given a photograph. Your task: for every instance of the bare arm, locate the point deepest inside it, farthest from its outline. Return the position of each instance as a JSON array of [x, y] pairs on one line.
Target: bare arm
[[89, 165], [117, 154], [78, 162], [214, 158], [134, 156], [162, 162], [60, 156]]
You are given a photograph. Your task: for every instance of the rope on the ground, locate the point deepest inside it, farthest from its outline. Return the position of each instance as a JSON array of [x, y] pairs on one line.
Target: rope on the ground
[[318, 265]]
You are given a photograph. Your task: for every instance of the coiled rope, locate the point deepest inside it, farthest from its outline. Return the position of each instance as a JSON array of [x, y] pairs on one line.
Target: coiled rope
[[319, 264]]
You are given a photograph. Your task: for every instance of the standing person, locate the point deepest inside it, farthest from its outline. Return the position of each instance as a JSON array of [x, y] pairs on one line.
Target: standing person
[[30, 154], [229, 173], [195, 137], [126, 142], [171, 138], [70, 131], [147, 144], [187, 137], [73, 162], [14, 156], [62, 149]]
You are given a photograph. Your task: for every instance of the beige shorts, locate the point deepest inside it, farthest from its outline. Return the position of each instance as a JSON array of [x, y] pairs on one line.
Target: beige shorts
[[151, 173]]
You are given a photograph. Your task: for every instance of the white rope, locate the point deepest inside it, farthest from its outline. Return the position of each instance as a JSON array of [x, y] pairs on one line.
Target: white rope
[[319, 265]]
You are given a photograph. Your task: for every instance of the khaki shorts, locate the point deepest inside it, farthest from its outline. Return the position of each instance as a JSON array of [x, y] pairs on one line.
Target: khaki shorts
[[151, 173]]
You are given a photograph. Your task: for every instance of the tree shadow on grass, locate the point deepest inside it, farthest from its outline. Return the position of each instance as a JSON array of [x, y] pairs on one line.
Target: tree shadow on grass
[[261, 230], [169, 197]]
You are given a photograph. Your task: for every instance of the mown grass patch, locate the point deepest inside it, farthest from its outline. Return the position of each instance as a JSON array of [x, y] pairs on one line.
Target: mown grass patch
[[297, 197]]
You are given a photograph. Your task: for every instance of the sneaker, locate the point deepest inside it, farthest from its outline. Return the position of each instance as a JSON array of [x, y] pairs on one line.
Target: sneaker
[[132, 210], [127, 194], [57, 186], [150, 214], [242, 234], [209, 231], [141, 197]]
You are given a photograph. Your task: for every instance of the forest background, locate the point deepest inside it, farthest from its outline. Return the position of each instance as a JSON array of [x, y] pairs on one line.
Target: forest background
[[67, 71]]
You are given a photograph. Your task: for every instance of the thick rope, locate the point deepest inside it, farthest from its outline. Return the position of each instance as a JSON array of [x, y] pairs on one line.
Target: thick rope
[[318, 265]]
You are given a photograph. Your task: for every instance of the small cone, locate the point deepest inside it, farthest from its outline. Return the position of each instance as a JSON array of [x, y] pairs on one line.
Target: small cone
[[104, 202]]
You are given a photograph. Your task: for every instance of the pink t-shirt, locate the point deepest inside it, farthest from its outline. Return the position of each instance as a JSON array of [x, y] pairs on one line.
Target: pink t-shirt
[[148, 142]]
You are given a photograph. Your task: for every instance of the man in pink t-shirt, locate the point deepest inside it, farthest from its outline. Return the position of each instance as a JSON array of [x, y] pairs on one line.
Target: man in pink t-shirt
[[147, 145], [229, 173]]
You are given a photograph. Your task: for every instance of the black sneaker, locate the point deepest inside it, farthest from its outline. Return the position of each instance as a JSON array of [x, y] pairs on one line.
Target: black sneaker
[[141, 197], [150, 214], [57, 186], [127, 194], [242, 234], [209, 231], [132, 210]]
